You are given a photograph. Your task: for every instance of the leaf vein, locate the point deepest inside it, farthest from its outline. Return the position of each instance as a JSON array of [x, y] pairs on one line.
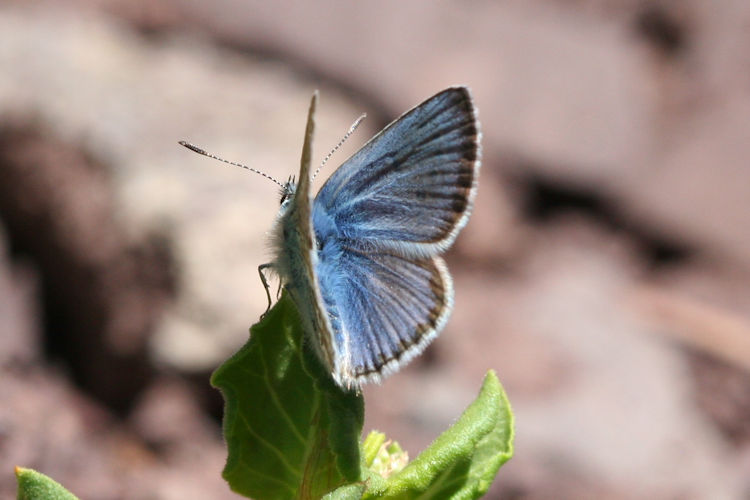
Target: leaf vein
[[271, 447]]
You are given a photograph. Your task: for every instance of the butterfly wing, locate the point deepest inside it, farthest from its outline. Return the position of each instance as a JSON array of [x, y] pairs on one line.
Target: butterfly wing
[[410, 188], [383, 308], [379, 222], [297, 259]]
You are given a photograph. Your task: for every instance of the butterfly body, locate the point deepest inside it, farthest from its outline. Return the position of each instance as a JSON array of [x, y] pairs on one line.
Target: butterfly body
[[360, 260]]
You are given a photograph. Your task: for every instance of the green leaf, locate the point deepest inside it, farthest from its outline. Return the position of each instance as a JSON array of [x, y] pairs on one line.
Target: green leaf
[[463, 461], [33, 485], [348, 492], [290, 430]]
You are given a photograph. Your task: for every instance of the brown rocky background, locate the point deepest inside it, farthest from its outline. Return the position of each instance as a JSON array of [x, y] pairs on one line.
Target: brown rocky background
[[605, 274]]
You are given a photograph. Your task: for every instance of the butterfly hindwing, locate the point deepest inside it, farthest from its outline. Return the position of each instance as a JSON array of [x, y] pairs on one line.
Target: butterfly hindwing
[[410, 188], [384, 308]]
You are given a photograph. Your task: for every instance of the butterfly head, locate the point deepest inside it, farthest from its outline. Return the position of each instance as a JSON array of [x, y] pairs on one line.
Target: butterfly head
[[287, 191]]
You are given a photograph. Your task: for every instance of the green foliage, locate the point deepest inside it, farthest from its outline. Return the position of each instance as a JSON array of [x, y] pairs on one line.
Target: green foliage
[[33, 485], [292, 433], [463, 461]]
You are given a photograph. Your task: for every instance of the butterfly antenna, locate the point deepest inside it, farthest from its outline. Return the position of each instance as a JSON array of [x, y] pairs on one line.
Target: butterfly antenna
[[341, 143], [196, 149]]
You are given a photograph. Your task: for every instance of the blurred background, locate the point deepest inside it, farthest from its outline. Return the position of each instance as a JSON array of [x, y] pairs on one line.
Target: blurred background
[[605, 273]]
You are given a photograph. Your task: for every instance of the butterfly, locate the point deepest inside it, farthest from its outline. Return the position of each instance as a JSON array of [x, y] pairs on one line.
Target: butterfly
[[361, 259]]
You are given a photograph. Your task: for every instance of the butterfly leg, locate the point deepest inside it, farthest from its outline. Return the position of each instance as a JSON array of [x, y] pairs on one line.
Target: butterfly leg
[[261, 268], [278, 291]]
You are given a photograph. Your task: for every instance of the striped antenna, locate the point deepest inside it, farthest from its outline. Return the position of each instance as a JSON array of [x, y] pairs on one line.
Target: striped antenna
[[193, 147], [341, 143]]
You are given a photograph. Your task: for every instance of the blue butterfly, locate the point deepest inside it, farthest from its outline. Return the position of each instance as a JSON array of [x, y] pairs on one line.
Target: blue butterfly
[[361, 260]]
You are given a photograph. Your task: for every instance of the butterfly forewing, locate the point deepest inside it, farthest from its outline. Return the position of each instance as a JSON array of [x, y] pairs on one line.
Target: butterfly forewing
[[410, 188]]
